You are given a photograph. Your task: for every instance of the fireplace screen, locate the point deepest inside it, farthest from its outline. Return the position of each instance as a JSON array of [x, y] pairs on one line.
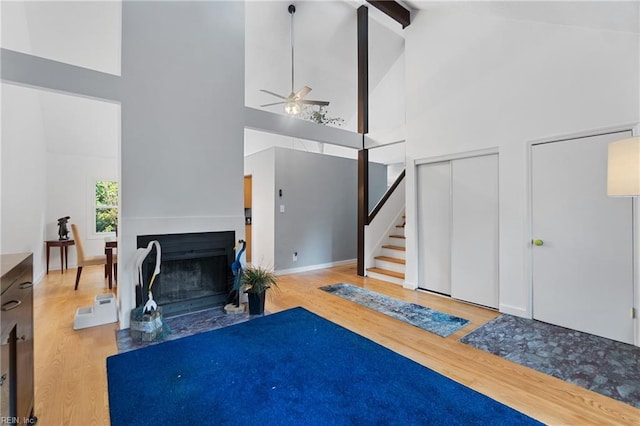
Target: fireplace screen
[[189, 279], [195, 272]]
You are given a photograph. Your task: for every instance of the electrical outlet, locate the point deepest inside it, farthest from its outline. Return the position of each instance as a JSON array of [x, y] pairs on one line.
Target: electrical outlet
[[295, 256]]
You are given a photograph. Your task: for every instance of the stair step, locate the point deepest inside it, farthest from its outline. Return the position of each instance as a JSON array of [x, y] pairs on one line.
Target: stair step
[[397, 240], [395, 264], [393, 250], [381, 271], [392, 247], [390, 259]]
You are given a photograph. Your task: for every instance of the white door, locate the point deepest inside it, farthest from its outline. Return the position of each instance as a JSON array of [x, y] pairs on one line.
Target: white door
[[434, 232], [583, 269], [458, 228], [474, 234]]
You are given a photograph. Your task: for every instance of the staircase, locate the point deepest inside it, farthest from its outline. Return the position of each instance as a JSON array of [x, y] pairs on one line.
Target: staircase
[[390, 265]]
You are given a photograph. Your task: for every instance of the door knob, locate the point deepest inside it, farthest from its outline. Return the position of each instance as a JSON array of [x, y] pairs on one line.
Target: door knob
[[538, 242]]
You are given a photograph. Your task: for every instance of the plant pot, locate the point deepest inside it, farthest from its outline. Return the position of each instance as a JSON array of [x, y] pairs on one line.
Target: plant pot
[[256, 303], [145, 327]]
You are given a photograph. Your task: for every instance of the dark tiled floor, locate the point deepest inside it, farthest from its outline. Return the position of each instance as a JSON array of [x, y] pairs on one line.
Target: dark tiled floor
[[182, 326], [601, 365]]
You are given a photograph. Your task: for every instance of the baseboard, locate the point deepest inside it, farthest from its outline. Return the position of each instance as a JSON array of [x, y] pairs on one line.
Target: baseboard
[[37, 279], [314, 267], [514, 310], [410, 286]]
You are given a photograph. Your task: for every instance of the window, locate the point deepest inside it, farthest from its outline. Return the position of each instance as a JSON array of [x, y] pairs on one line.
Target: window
[[106, 206]]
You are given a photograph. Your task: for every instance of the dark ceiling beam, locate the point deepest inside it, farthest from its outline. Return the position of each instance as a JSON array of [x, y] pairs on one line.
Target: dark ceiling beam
[[393, 9]]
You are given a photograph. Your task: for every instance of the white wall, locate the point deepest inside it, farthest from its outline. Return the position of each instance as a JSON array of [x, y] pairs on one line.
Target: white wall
[[261, 166], [387, 101], [328, 67], [325, 42], [82, 33], [182, 124], [82, 143], [479, 81], [52, 143], [58, 145], [70, 192], [23, 162]]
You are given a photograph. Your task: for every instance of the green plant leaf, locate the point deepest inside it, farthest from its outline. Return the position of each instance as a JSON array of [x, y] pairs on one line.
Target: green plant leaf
[[256, 279]]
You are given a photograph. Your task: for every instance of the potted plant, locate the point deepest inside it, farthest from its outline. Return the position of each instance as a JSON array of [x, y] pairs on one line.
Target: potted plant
[[256, 280]]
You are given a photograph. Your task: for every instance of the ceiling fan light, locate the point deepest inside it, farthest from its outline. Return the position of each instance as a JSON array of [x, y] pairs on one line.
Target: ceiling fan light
[[292, 108]]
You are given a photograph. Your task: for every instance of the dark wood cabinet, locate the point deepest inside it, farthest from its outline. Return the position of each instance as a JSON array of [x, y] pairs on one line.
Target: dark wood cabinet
[[16, 338]]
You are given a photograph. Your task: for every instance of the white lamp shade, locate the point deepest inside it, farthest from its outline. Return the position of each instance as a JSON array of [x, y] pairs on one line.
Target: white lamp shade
[[623, 169]]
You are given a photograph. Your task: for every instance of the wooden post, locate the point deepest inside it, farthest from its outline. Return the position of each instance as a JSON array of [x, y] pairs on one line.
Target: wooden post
[[363, 203], [363, 128], [363, 70]]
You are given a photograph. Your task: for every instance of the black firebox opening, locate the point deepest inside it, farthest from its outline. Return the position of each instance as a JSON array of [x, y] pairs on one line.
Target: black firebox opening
[[195, 271]]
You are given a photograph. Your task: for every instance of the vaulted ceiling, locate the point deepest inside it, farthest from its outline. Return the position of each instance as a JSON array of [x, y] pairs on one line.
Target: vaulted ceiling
[[603, 15], [88, 34], [325, 59]]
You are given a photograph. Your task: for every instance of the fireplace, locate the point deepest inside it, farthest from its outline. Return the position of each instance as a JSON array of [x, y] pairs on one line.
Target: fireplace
[[195, 272]]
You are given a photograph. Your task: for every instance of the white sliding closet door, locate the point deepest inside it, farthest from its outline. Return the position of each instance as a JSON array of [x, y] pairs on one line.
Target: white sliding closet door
[[434, 232], [474, 234]]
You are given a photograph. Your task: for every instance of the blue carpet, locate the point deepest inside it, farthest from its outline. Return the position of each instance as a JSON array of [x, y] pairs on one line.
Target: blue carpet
[[425, 318], [292, 367]]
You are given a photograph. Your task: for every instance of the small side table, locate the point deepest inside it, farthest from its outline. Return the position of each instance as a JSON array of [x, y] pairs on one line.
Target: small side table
[[64, 252]]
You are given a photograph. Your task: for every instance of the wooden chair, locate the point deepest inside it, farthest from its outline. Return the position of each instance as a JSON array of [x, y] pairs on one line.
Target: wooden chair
[[84, 260]]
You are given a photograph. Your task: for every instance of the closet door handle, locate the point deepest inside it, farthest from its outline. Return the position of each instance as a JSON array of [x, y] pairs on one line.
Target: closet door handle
[[2, 379]]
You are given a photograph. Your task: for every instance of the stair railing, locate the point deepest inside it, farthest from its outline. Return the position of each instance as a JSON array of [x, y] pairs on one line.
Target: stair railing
[[385, 197]]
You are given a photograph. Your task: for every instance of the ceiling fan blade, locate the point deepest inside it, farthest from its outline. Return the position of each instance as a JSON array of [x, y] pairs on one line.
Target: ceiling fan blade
[[303, 92], [273, 94], [323, 103], [275, 103]]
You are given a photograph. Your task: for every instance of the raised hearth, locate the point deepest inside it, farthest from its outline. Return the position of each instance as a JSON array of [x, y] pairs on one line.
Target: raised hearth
[[195, 272]]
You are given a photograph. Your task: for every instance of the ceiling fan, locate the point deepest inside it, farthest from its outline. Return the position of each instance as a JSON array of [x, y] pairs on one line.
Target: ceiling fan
[[293, 103]]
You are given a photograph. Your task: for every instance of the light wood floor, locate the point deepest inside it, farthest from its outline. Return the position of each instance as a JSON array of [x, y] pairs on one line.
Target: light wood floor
[[71, 382]]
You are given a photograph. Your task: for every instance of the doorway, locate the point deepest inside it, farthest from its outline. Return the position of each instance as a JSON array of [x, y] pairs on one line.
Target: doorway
[[458, 228], [582, 239]]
